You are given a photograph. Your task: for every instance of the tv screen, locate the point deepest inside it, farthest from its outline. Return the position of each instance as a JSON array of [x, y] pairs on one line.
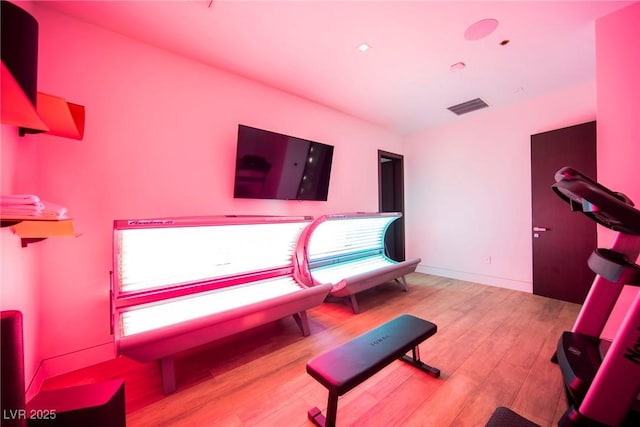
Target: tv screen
[[271, 165]]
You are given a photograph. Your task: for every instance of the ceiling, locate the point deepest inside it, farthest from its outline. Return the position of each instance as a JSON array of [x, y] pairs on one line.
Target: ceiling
[[404, 81]]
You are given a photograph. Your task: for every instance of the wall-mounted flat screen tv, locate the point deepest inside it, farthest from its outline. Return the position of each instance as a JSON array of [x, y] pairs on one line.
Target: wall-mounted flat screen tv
[[271, 165]]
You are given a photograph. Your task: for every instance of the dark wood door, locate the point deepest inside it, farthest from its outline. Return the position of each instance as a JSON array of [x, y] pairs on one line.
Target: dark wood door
[[562, 240], [391, 199]]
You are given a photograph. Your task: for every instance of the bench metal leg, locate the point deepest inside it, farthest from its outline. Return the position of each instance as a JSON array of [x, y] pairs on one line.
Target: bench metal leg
[[319, 420], [414, 360]]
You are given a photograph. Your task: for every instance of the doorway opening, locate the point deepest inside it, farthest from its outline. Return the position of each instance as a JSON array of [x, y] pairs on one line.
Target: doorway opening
[[391, 199]]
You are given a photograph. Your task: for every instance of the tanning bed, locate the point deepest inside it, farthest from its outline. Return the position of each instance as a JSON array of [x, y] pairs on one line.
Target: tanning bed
[[348, 252], [182, 282]]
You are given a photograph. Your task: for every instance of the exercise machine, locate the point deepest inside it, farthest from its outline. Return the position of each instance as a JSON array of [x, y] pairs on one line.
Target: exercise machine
[[601, 377]]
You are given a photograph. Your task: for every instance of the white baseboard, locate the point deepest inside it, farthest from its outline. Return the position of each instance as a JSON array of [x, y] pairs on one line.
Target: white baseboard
[[500, 282], [69, 362]]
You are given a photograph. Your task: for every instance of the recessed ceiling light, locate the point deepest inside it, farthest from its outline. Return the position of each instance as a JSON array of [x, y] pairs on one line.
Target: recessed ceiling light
[[363, 47], [481, 29]]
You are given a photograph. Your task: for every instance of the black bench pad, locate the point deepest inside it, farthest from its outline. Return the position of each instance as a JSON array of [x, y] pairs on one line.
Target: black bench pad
[[348, 365]]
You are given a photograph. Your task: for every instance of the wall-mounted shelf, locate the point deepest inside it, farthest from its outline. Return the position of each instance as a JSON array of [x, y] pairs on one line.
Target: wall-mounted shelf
[[35, 230]]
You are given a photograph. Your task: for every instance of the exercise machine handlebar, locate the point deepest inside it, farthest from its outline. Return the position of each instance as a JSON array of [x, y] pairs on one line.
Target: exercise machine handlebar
[[609, 208]]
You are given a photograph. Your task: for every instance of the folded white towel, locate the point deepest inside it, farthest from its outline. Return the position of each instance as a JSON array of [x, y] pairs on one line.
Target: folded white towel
[[44, 210], [20, 199]]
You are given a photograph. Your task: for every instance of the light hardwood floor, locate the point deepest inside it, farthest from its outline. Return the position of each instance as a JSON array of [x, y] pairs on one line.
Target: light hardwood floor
[[493, 347]]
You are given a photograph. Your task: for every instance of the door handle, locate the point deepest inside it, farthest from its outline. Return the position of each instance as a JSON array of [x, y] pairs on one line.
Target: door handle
[[540, 229]]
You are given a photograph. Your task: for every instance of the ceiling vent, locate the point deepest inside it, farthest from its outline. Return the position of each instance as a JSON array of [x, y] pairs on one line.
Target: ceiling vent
[[467, 107]]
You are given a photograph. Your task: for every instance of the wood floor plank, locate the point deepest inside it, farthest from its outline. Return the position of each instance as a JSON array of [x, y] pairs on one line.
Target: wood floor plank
[[445, 404], [493, 347], [391, 410]]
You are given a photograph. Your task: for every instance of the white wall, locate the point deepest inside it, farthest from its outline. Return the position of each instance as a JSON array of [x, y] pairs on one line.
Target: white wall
[[468, 190]]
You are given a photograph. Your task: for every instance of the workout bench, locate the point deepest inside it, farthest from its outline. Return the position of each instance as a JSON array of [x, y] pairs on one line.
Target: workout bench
[[344, 367]]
